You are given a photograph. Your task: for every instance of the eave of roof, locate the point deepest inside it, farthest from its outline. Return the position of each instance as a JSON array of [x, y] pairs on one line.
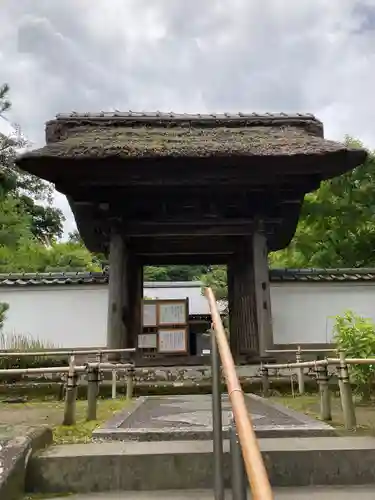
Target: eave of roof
[[101, 278], [133, 135]]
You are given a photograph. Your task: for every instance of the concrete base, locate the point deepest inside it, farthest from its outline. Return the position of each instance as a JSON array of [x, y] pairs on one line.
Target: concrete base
[[316, 493], [185, 418], [117, 466], [14, 454]]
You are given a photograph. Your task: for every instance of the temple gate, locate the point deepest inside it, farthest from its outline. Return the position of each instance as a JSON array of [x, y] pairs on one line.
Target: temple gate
[[155, 188]]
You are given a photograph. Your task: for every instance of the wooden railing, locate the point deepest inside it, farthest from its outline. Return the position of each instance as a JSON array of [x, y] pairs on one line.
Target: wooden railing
[[319, 369], [93, 371], [253, 462]]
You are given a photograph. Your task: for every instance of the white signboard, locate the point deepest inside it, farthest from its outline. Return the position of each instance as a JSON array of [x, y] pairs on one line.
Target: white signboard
[[172, 313], [172, 340], [149, 314], [147, 341]]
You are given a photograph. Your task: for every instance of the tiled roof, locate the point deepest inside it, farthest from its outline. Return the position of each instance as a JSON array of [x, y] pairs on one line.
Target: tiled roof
[[276, 275], [322, 275]]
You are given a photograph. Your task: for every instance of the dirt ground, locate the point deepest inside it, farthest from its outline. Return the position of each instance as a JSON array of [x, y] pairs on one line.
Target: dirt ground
[[16, 417]]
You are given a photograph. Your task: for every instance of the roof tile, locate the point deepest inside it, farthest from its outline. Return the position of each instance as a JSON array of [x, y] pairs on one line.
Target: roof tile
[[100, 278]]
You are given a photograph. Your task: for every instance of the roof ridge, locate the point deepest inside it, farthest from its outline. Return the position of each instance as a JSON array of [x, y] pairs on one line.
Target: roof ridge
[[166, 116]]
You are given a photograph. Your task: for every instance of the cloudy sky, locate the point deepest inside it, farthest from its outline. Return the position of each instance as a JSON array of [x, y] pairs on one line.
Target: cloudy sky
[[190, 56]]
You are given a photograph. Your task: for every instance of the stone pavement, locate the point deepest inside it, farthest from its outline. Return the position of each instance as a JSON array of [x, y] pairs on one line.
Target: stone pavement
[[168, 418], [315, 493]]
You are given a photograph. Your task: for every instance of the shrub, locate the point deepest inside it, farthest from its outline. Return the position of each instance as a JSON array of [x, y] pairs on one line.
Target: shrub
[[356, 336], [3, 309], [24, 343]]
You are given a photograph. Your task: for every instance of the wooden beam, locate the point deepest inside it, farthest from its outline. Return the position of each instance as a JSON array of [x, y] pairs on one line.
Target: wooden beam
[[127, 196], [209, 172], [183, 246], [191, 229], [184, 260]]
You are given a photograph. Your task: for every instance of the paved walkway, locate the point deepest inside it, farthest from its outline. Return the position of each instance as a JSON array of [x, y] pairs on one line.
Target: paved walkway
[[168, 418], [342, 493]]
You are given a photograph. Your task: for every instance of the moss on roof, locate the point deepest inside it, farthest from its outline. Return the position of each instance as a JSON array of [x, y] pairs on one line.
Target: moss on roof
[[151, 142]]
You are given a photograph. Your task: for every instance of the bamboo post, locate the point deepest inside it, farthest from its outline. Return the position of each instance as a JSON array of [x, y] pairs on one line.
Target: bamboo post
[[70, 395], [92, 392], [238, 474], [217, 422], [346, 394], [265, 381], [130, 383], [114, 384], [300, 372], [324, 392]]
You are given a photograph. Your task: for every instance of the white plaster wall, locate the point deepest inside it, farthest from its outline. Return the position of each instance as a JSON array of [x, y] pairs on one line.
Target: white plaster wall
[[302, 312], [67, 316], [76, 316]]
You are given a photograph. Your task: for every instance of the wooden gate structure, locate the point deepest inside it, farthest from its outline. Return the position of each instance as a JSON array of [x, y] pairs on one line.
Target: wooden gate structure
[[165, 188]]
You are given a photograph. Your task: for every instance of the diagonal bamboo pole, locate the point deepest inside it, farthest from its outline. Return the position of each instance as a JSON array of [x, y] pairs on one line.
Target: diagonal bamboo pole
[[254, 465]]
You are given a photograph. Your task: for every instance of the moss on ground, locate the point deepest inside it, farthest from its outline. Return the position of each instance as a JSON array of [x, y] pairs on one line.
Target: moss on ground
[[46, 496], [81, 431], [309, 404]]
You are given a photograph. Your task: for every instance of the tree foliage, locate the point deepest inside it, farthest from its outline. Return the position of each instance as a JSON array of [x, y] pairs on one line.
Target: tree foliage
[[174, 273], [216, 278], [337, 223], [30, 226], [32, 195]]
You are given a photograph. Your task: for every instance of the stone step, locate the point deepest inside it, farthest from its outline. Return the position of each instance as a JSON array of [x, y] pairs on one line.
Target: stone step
[[115, 466], [315, 493]]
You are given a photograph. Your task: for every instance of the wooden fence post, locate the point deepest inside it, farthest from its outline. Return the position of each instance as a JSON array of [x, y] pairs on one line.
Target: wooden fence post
[[92, 392], [300, 372], [70, 395], [130, 383], [265, 381], [324, 392], [346, 394]]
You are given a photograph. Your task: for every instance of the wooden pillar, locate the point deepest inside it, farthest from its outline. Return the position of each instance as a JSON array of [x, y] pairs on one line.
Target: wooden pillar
[[243, 315], [262, 293], [117, 297], [249, 298], [135, 294], [231, 308]]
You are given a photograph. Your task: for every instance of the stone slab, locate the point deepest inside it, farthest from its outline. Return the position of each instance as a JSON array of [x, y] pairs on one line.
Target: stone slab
[[115, 466], [318, 493], [176, 418]]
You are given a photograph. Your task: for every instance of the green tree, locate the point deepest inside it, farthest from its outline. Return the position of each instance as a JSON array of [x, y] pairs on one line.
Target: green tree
[[337, 223], [216, 278], [174, 273], [356, 336], [46, 221]]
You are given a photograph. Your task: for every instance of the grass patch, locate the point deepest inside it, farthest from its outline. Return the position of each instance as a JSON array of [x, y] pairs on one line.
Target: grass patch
[[309, 404], [81, 431]]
